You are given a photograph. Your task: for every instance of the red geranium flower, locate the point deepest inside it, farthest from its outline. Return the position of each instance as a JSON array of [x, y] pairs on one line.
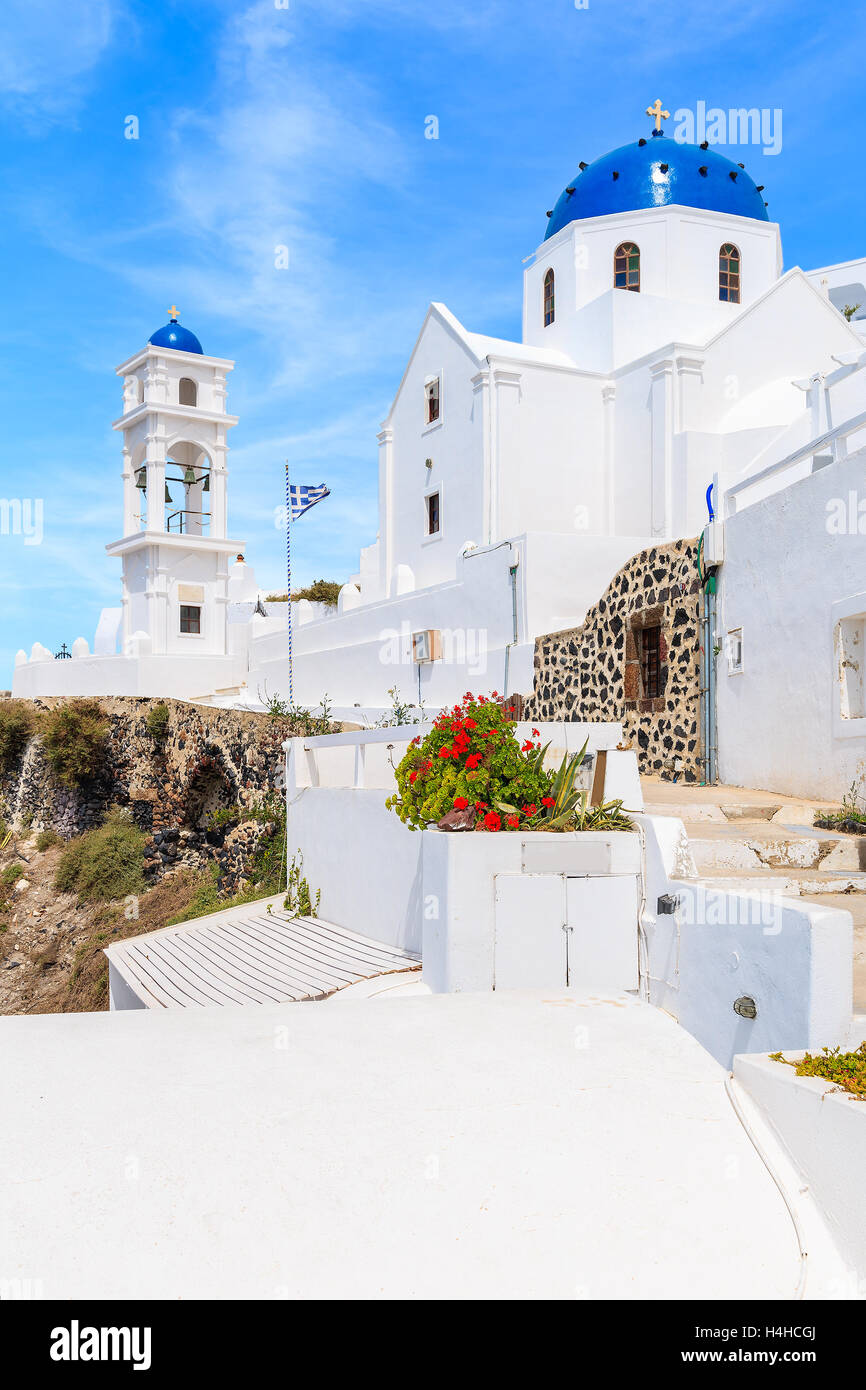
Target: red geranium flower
[[536, 734], [470, 724], [460, 803], [473, 760], [444, 752], [527, 746], [514, 821], [548, 801], [481, 805], [492, 821], [413, 776], [530, 810]]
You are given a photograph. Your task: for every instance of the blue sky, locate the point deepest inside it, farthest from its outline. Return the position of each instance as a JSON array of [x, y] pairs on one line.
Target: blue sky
[[304, 126]]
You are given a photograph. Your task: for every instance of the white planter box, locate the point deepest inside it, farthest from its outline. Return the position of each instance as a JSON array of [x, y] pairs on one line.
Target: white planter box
[[823, 1131], [534, 910]]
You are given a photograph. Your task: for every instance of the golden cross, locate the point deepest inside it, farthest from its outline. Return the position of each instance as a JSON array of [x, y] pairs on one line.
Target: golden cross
[[656, 111], [173, 312]]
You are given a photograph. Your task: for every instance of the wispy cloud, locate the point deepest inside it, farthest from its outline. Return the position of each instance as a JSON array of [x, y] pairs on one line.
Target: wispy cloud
[[46, 52]]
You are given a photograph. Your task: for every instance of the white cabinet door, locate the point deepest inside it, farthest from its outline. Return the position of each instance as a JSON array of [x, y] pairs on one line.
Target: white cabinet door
[[602, 918], [529, 938]]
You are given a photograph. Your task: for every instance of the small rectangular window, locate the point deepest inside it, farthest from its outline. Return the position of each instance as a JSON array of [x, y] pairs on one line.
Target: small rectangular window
[[650, 662], [433, 515], [850, 635], [431, 393], [734, 650], [190, 618]]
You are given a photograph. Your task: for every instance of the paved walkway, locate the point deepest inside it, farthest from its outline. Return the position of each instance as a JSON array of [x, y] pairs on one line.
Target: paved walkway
[[254, 954], [511, 1145]]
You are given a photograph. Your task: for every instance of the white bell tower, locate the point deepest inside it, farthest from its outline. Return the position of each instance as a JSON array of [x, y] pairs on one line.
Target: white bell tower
[[174, 549]]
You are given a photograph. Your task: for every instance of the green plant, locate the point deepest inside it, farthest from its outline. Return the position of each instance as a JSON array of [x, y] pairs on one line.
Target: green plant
[[472, 760], [299, 900], [205, 899], [558, 808], [75, 739], [46, 838], [320, 591], [844, 1069], [850, 310], [10, 875], [400, 712], [851, 815], [157, 722], [17, 724], [304, 724], [104, 863]]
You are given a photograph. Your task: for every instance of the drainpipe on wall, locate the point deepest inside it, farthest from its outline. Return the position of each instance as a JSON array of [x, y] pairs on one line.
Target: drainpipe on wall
[[708, 682], [512, 570], [710, 552]]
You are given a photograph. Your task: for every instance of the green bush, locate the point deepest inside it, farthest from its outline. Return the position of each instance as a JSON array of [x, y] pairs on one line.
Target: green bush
[[16, 726], [46, 838], [104, 863], [75, 739], [10, 875], [472, 762], [845, 1069], [320, 591], [157, 722], [471, 759]]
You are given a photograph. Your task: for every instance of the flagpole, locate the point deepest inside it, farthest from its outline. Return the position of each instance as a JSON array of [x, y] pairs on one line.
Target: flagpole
[[289, 578]]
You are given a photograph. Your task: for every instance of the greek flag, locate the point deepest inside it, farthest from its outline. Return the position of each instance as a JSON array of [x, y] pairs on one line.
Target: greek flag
[[304, 497]]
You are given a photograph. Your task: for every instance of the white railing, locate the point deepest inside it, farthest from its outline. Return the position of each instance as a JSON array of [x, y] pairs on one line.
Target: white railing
[[341, 760], [832, 438], [365, 759]]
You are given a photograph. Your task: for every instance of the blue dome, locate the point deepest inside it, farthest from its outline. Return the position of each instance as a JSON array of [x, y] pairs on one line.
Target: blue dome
[[653, 172], [173, 336]]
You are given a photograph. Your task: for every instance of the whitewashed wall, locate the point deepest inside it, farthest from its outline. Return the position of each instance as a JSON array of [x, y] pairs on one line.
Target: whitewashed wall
[[779, 721]]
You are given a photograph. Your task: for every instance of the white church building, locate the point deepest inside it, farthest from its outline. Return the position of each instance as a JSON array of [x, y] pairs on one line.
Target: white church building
[[665, 350]]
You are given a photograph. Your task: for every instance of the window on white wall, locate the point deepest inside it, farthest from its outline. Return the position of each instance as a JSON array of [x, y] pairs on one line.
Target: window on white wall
[[187, 391], [850, 645], [431, 400], [729, 273], [549, 299], [434, 514], [626, 267], [734, 650], [190, 619]]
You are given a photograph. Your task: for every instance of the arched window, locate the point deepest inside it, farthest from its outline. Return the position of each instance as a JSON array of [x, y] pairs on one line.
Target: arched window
[[626, 266], [729, 273], [187, 391], [549, 299]]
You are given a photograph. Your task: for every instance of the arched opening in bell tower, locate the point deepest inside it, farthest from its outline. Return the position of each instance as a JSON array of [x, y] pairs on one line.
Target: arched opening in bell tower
[[187, 489]]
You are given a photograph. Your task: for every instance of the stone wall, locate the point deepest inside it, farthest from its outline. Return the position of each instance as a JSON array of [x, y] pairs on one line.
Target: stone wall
[[593, 672], [211, 759]]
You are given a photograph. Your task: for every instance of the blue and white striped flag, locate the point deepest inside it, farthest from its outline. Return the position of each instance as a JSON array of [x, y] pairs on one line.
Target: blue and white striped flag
[[304, 497]]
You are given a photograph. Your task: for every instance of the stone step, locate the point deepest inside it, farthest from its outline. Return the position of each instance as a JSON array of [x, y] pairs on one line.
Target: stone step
[[715, 853], [783, 882]]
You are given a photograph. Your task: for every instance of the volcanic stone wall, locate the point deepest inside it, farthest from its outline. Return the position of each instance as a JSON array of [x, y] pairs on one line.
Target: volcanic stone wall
[[210, 759], [593, 672]]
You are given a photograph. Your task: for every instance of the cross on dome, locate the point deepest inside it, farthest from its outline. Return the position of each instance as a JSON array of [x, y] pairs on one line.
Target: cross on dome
[[656, 111], [173, 313]]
